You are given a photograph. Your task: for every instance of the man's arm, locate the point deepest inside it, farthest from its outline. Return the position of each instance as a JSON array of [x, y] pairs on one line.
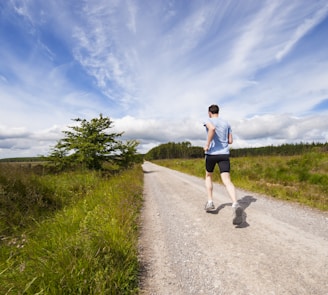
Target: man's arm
[[230, 140], [210, 134]]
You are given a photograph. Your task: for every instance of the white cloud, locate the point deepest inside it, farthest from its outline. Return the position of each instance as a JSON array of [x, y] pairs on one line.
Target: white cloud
[[19, 132], [284, 128], [156, 66]]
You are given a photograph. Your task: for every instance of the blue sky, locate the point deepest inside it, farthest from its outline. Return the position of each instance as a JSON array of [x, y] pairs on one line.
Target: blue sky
[[154, 67]]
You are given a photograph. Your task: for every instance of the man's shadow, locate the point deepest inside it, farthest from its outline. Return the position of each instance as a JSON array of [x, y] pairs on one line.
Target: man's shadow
[[244, 203]]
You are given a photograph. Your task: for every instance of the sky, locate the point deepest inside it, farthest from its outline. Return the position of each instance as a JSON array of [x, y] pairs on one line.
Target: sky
[[153, 67]]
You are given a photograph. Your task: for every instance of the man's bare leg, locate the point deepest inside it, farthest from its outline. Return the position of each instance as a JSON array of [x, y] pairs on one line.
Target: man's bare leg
[[209, 187], [225, 177], [237, 210]]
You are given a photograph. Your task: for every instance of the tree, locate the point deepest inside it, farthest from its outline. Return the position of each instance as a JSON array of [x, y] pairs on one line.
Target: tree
[[128, 154], [89, 144]]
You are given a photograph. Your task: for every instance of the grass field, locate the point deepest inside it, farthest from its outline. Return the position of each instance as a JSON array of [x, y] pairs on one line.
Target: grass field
[[71, 233], [302, 178]]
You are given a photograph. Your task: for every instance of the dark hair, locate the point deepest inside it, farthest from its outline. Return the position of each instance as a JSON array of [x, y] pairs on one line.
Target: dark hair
[[214, 109]]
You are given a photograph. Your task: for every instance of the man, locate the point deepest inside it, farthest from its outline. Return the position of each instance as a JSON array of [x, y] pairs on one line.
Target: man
[[219, 136]]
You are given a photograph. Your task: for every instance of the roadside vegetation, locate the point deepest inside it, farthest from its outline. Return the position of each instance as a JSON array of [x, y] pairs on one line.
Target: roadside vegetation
[[69, 221], [70, 233], [300, 176]]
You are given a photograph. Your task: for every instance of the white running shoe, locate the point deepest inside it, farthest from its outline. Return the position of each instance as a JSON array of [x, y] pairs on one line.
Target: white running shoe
[[209, 206]]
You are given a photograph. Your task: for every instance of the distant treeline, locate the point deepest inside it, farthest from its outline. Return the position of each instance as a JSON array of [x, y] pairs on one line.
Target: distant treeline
[[281, 150], [25, 159], [172, 150], [185, 150]]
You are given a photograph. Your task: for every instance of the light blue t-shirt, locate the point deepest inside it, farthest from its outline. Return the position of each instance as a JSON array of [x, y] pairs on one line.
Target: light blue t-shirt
[[219, 144]]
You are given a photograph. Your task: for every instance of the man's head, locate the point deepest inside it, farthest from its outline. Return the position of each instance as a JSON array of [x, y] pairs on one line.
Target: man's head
[[213, 109]]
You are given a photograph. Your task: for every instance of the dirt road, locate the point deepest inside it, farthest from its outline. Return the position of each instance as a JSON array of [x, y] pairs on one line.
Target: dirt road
[[279, 249]]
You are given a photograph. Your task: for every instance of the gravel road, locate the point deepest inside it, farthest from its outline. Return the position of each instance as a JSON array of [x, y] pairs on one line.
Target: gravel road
[[280, 248]]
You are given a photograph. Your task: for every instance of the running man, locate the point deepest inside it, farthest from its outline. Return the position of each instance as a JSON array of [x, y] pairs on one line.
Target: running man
[[219, 136]]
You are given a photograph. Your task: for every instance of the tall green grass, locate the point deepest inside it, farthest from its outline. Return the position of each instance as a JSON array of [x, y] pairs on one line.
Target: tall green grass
[[302, 178], [86, 243]]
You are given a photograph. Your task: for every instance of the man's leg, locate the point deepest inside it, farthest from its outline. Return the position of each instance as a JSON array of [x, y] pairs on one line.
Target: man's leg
[[237, 210], [225, 177], [209, 187]]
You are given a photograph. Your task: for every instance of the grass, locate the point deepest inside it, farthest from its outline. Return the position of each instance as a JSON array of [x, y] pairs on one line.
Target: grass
[[302, 178], [82, 242], [77, 232]]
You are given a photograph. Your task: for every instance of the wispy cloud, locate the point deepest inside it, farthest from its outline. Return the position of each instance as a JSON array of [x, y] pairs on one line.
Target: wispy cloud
[[155, 66], [303, 28]]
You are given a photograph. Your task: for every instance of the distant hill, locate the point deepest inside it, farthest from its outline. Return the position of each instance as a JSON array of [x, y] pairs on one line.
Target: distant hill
[[24, 159], [281, 150]]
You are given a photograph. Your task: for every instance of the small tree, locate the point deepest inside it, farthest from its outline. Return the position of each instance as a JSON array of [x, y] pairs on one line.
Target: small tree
[[127, 154], [89, 144]]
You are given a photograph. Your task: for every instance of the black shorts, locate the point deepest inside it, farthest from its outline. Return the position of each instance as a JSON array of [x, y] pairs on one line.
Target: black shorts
[[222, 160]]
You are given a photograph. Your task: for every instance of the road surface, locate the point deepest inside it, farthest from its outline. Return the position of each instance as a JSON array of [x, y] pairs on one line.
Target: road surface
[[280, 248]]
